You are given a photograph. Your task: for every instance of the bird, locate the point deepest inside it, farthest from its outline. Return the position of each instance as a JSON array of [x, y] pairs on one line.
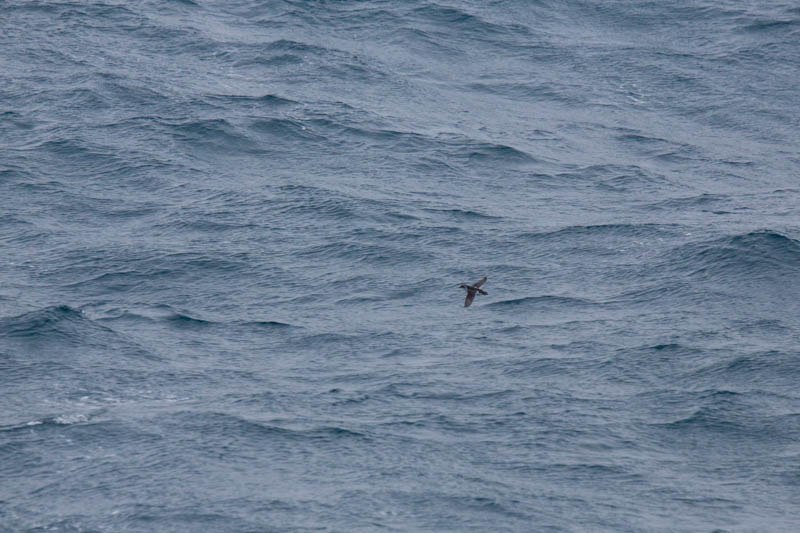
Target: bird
[[472, 290]]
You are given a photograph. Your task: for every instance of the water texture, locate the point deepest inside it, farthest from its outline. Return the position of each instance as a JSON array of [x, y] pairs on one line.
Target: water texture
[[232, 234]]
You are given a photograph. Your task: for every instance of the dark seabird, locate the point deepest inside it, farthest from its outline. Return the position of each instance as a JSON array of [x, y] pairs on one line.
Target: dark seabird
[[472, 290]]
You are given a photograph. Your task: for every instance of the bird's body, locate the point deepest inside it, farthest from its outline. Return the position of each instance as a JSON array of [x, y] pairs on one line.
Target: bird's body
[[472, 290]]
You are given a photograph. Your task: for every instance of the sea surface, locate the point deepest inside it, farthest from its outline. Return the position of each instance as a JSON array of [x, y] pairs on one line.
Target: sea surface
[[232, 234]]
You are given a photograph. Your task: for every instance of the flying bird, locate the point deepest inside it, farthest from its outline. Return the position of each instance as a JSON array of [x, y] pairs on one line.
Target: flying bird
[[472, 290]]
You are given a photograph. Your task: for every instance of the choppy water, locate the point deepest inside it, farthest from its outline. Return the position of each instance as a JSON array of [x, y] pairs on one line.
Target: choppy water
[[232, 234]]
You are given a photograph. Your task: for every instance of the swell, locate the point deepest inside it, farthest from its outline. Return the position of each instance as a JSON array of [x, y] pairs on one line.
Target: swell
[[371, 254], [217, 425], [604, 231], [547, 301], [45, 423], [526, 91], [65, 326], [59, 321], [730, 414], [264, 101], [769, 370], [454, 149], [760, 255], [299, 60], [103, 271], [168, 315], [216, 134], [456, 23], [315, 203], [756, 265]]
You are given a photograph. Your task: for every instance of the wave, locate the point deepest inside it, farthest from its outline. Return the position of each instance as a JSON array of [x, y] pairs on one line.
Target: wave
[[265, 100], [605, 231], [458, 23], [100, 272], [185, 320], [661, 292], [116, 281], [656, 147], [771, 370], [66, 419], [546, 301], [182, 319], [761, 255], [707, 420], [703, 201], [614, 178], [284, 130], [447, 147], [465, 214], [329, 338], [302, 60], [415, 391], [364, 253], [727, 412], [492, 153], [359, 132], [277, 60], [425, 42], [214, 424], [315, 202], [446, 15], [268, 324], [301, 48], [771, 26], [65, 326], [56, 321], [217, 134], [359, 300], [526, 91]]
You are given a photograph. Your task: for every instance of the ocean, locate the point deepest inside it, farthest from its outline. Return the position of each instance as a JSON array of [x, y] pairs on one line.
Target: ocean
[[232, 234]]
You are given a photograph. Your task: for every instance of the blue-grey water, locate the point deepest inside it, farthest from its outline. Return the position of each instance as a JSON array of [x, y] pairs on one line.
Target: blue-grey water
[[232, 234]]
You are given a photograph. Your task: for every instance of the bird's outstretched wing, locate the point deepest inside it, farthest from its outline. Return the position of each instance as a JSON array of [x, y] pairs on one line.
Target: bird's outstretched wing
[[470, 297], [481, 282]]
